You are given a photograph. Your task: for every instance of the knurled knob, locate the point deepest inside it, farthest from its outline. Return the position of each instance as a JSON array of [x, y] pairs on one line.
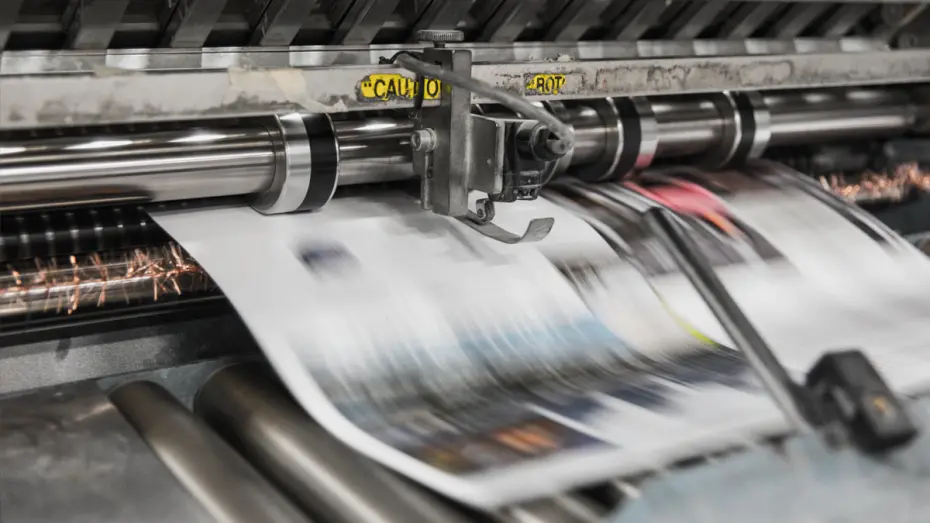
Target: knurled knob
[[440, 36]]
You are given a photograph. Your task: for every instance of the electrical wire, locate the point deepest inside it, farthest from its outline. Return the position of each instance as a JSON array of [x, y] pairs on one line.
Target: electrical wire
[[519, 104]]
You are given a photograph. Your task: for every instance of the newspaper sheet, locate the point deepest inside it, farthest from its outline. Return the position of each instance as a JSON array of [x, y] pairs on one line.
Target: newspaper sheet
[[491, 373], [833, 285]]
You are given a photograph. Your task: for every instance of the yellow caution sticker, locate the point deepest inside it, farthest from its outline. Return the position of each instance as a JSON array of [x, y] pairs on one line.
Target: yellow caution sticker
[[393, 86], [545, 84]]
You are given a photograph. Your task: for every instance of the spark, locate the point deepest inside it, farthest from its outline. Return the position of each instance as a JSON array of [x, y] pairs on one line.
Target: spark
[[873, 186], [92, 279]]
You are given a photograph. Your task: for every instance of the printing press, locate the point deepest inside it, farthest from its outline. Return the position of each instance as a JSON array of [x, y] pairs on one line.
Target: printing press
[[130, 388]]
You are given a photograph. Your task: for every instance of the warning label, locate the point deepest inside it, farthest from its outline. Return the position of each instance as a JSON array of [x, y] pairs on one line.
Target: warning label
[[393, 86], [545, 84]]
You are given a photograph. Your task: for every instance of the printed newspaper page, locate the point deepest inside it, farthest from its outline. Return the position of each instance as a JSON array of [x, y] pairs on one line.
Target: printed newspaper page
[[491, 373], [828, 283]]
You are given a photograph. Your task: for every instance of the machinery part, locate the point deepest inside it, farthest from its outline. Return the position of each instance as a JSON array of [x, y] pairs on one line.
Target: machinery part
[[230, 489], [731, 135], [327, 479], [223, 159], [95, 280], [33, 101], [147, 165], [565, 135], [307, 173], [852, 390], [829, 115], [640, 135], [509, 159], [612, 140], [25, 236], [794, 401], [96, 468]]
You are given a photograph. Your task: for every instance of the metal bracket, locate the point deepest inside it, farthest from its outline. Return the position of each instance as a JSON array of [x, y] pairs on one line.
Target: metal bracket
[[456, 152], [480, 221]]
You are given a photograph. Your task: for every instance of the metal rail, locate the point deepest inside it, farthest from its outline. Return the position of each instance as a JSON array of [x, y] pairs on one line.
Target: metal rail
[[141, 23], [224, 159], [108, 95]]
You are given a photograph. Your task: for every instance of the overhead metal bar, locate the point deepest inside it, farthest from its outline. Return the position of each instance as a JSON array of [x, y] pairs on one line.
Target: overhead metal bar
[[362, 20], [28, 101], [510, 20], [188, 23], [9, 12], [747, 19], [576, 17], [442, 14], [277, 22], [797, 19], [125, 61], [636, 20], [91, 24], [845, 19], [695, 18]]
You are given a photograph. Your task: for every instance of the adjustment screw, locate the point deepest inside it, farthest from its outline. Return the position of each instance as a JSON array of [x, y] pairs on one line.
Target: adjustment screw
[[440, 37], [423, 140]]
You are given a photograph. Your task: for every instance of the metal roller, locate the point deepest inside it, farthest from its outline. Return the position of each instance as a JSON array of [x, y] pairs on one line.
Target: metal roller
[[230, 489], [294, 162], [320, 473]]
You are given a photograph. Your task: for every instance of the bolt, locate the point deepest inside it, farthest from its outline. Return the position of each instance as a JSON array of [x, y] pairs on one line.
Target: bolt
[[423, 140]]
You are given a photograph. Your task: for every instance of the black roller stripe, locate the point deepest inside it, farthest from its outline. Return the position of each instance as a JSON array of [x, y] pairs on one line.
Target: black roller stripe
[[747, 123], [632, 138], [324, 162]]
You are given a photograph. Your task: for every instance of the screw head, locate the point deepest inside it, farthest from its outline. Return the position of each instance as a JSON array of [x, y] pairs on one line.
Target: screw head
[[440, 36]]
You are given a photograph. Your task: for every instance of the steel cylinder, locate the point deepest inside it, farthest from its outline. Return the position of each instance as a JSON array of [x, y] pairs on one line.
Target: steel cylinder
[[125, 166], [374, 149], [230, 489], [244, 158], [687, 127], [824, 116], [244, 404]]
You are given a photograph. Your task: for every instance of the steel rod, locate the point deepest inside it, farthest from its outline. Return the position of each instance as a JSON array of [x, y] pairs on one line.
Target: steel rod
[[214, 160], [321, 474], [230, 489]]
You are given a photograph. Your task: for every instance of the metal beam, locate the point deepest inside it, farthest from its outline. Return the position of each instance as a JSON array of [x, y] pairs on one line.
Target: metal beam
[[747, 19], [636, 20], [91, 24], [845, 19], [9, 12], [127, 61], [362, 20], [443, 14], [797, 19], [188, 23], [575, 19], [695, 18], [510, 20], [277, 22], [30, 101]]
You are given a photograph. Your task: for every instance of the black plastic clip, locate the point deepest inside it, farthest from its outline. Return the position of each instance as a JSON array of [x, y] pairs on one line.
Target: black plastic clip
[[851, 391]]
